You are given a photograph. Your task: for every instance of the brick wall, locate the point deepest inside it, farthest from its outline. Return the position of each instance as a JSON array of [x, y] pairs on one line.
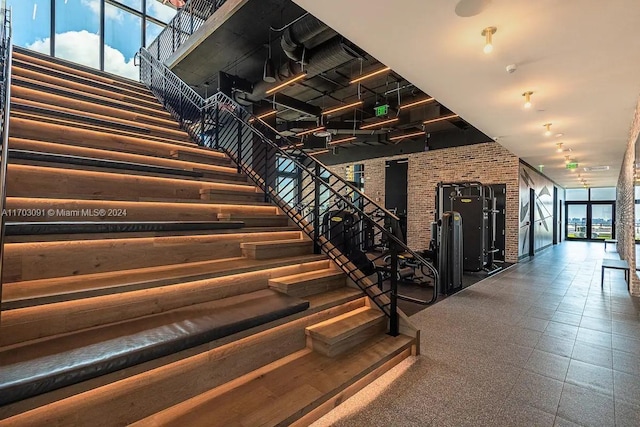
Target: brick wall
[[625, 203], [489, 163]]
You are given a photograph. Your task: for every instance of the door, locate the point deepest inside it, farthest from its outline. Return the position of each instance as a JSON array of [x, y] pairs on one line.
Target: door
[[395, 189], [590, 221], [576, 221], [532, 221], [601, 224]]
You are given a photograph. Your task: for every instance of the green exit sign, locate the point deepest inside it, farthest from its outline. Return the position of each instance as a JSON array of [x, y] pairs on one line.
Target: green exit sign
[[572, 165], [382, 110]]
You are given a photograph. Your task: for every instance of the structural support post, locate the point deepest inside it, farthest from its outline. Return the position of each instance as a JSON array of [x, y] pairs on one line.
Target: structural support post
[[316, 210]]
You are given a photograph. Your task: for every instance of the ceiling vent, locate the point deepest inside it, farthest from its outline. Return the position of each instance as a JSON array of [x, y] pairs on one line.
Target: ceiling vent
[[597, 169]]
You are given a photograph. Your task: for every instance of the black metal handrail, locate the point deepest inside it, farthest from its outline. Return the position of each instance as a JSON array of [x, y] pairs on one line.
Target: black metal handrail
[[319, 201], [6, 53], [187, 20]]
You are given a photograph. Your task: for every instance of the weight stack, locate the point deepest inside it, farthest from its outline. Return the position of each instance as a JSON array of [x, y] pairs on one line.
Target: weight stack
[[450, 253]]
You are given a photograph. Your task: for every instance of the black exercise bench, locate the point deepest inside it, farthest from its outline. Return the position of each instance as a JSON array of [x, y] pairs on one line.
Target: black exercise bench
[[616, 264]]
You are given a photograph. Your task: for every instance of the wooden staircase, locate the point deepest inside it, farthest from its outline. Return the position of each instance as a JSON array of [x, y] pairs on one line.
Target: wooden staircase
[[146, 281]]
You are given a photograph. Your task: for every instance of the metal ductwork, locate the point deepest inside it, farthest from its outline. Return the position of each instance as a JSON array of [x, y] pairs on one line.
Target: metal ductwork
[[330, 54], [306, 33]]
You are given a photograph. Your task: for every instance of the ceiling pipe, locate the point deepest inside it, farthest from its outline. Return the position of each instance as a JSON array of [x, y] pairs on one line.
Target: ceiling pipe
[[305, 33]]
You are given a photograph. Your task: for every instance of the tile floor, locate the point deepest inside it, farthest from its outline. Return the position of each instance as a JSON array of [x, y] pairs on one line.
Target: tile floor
[[539, 344]]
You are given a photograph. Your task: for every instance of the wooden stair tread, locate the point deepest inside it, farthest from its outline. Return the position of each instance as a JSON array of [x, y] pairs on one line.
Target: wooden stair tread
[[349, 324], [33, 369], [46, 291], [63, 227], [333, 297], [288, 242], [286, 392], [313, 275]]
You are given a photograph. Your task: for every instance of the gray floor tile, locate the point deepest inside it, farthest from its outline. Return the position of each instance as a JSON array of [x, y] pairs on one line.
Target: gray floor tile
[[559, 346], [561, 422], [626, 362], [561, 330], [547, 364], [589, 353], [533, 323], [590, 336], [591, 376], [587, 407], [526, 337], [626, 387], [568, 318], [518, 413], [627, 415], [538, 391], [595, 324], [626, 328], [624, 343]]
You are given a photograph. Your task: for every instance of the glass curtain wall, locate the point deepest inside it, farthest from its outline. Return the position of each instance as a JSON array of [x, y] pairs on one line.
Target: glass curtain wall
[[103, 34], [590, 213]]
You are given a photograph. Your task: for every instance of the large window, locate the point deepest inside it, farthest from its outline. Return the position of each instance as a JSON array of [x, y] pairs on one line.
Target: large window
[[104, 34], [590, 213]]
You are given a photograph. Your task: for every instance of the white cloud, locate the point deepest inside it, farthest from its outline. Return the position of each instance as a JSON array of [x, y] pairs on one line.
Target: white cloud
[[83, 47], [160, 11], [109, 11]]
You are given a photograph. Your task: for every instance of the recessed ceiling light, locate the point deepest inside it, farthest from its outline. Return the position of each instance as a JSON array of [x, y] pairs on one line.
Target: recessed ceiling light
[[548, 131], [527, 99], [488, 33]]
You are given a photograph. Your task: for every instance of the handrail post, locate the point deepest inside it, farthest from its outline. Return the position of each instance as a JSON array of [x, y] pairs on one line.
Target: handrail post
[[316, 211], [8, 51], [216, 145], [266, 173], [394, 327]]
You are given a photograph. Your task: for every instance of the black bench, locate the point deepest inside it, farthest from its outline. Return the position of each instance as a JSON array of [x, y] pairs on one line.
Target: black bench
[[616, 264], [612, 241]]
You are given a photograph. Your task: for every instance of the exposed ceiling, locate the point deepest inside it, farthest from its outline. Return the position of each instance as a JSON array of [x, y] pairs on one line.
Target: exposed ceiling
[[579, 57], [235, 41]]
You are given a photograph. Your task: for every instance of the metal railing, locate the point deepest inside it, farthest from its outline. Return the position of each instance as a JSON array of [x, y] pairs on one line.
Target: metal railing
[[6, 53], [189, 18], [344, 223]]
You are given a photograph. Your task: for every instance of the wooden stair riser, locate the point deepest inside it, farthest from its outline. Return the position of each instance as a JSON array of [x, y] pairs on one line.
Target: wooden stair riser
[[45, 291], [107, 401], [43, 86], [338, 335], [25, 93], [57, 64], [30, 261], [21, 209], [215, 195], [144, 129], [35, 181], [22, 128], [308, 287], [25, 324], [257, 221], [277, 250], [119, 95]]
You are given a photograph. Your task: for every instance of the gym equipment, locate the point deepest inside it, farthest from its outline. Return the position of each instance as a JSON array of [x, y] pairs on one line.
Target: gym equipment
[[341, 228], [476, 204], [450, 252]]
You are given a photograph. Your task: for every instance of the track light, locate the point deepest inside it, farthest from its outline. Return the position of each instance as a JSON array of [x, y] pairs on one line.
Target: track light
[[407, 135], [286, 83], [315, 153], [488, 33], [342, 140], [292, 146], [308, 131], [527, 99], [341, 108], [559, 147], [416, 103], [439, 119], [548, 131], [381, 123], [372, 74]]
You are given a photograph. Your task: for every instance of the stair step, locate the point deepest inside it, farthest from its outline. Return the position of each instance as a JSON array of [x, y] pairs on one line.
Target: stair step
[[210, 171], [256, 220], [41, 181], [31, 228], [26, 91], [46, 291], [92, 125], [283, 392], [26, 209], [28, 68], [218, 194], [156, 111], [60, 361], [276, 249], [36, 322], [190, 156], [60, 64], [81, 116], [305, 284], [335, 297], [340, 334], [42, 260]]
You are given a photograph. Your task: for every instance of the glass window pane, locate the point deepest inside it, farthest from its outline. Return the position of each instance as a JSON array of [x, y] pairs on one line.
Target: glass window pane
[[122, 32], [601, 221], [32, 24], [637, 192], [577, 221], [637, 224], [152, 32], [77, 28], [607, 193], [573, 194], [286, 188], [162, 12], [133, 4]]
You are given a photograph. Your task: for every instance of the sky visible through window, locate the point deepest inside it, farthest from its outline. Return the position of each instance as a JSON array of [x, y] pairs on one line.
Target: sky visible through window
[[77, 30]]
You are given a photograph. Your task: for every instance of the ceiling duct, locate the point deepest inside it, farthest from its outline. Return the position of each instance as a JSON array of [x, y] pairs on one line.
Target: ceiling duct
[[306, 33]]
